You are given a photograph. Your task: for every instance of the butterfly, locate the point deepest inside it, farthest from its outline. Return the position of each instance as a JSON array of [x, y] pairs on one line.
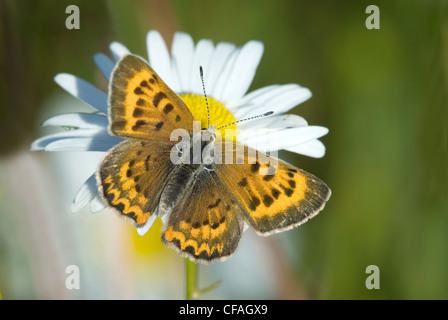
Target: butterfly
[[206, 203]]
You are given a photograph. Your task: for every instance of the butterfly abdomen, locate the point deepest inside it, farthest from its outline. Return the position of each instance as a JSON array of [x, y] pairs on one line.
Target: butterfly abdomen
[[179, 180]]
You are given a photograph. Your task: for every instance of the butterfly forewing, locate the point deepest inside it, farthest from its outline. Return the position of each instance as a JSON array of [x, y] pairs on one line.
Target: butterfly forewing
[[274, 195], [142, 105]]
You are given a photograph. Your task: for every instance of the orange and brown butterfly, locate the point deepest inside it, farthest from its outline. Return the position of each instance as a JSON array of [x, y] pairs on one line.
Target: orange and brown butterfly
[[206, 204]]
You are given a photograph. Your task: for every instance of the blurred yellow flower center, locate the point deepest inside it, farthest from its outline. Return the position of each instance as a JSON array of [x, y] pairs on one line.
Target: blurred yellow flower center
[[219, 115]]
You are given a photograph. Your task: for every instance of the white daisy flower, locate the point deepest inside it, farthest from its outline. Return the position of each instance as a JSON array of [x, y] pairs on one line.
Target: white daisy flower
[[228, 73]]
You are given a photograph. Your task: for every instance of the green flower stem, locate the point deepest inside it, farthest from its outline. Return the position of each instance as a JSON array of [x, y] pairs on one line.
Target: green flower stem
[[191, 279], [191, 274]]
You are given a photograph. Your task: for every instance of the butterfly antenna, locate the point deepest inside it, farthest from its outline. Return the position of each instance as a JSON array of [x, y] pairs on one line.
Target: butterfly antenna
[[201, 72], [266, 114]]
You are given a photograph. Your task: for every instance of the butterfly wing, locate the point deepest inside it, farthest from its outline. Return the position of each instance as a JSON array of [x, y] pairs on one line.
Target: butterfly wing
[[274, 195], [206, 224], [142, 105], [132, 176]]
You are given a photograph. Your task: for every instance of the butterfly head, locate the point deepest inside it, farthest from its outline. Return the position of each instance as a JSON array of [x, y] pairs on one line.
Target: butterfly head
[[209, 133]]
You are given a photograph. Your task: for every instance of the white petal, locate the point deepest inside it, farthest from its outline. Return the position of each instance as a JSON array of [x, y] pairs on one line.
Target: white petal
[[159, 58], [313, 148], [251, 96], [243, 72], [97, 204], [142, 230], [165, 220], [83, 90], [86, 193], [104, 64], [223, 77], [274, 139], [219, 60], [182, 52], [275, 122], [260, 139], [100, 143], [202, 55], [278, 99], [79, 120], [118, 50], [41, 143]]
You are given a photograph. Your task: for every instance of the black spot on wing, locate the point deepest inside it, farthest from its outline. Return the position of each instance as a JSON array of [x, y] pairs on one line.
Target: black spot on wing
[[138, 112], [267, 200], [157, 98], [275, 193], [145, 84], [138, 90], [214, 205], [159, 125], [255, 167], [168, 108], [254, 203], [243, 182], [292, 184]]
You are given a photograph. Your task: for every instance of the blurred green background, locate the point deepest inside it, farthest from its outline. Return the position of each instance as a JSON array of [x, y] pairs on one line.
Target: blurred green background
[[382, 93]]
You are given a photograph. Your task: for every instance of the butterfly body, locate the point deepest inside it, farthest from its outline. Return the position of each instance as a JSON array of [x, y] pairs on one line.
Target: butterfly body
[[178, 183], [205, 198]]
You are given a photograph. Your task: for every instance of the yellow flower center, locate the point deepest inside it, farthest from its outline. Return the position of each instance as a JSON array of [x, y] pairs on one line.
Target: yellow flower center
[[219, 115]]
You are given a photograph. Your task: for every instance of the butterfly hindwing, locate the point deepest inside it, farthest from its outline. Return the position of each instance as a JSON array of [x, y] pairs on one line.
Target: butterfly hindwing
[[142, 105], [274, 195], [206, 224], [132, 176]]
